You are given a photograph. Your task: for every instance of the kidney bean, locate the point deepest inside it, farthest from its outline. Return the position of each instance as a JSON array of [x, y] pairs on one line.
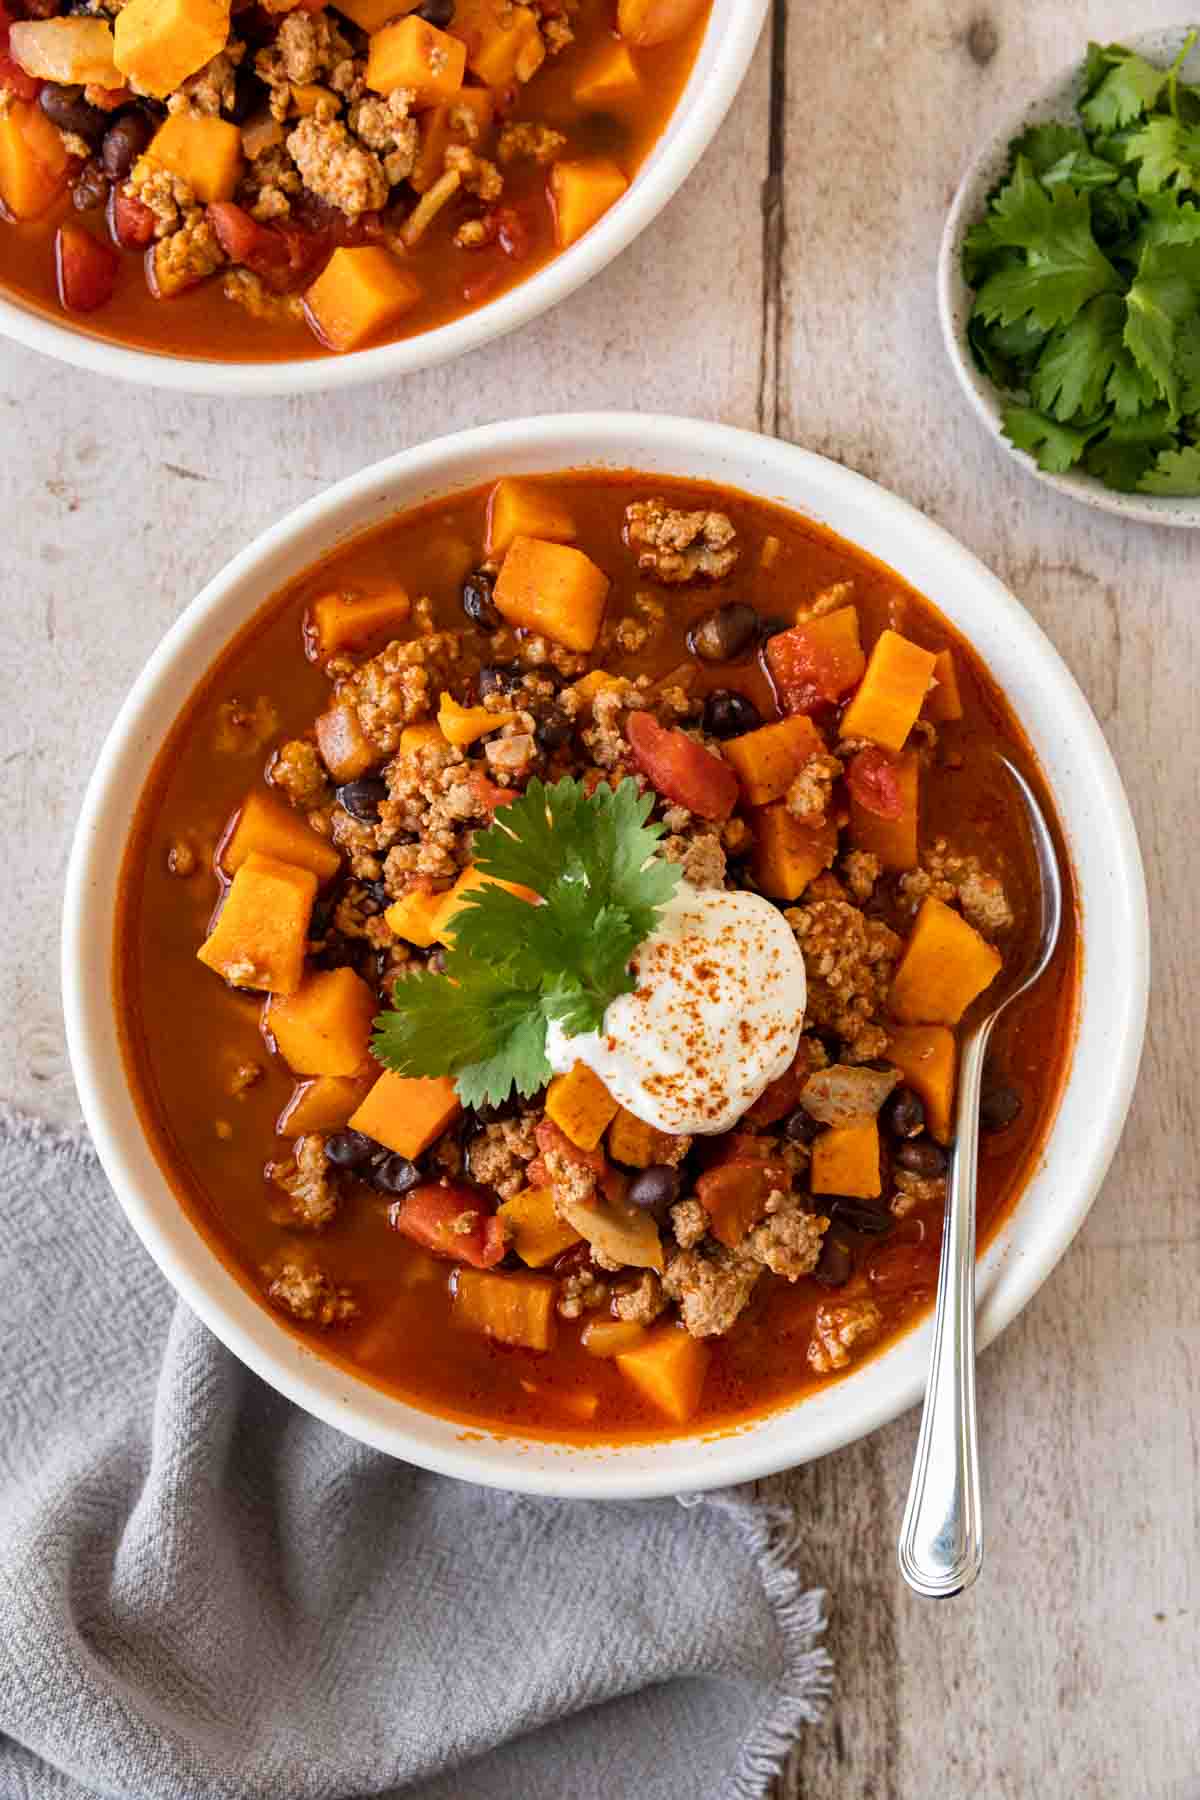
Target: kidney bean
[[722, 635], [90, 188], [67, 108], [124, 142]]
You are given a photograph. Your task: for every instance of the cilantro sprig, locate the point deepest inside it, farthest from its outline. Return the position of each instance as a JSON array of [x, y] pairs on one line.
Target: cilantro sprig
[[1086, 268], [513, 967]]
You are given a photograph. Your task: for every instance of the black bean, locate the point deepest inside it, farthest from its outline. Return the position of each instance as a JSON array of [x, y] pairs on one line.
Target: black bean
[[835, 1264], [67, 108], [124, 142], [800, 1127], [349, 1149], [553, 729], [728, 632], [655, 1189], [392, 1173], [999, 1106], [437, 12], [904, 1113], [363, 798], [90, 187], [477, 601], [921, 1156], [727, 714], [498, 678], [859, 1215], [249, 93]]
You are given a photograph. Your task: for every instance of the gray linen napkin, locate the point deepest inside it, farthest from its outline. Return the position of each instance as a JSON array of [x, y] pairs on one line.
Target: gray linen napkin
[[206, 1593]]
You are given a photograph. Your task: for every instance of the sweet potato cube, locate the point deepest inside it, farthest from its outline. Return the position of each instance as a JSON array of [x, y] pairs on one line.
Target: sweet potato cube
[[33, 160], [261, 931], [308, 95], [609, 77], [346, 750], [646, 22], [946, 963], [845, 1160], [788, 854], [552, 588], [463, 725], [513, 1309], [769, 759], [943, 702], [927, 1057], [340, 621], [581, 1106], [204, 152], [323, 1104], [525, 509], [414, 54], [360, 293], [638, 1145], [372, 15], [269, 827], [159, 43], [538, 1234], [611, 1337], [324, 1028], [416, 916], [407, 1113], [466, 119], [892, 692], [580, 193], [668, 1369], [470, 879], [502, 42], [415, 738], [893, 841]]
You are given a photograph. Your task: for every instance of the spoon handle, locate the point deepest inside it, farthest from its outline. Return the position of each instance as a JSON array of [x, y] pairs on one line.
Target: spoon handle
[[941, 1538]]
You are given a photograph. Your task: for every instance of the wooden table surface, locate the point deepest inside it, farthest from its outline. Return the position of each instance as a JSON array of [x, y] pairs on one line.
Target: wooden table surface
[[789, 286]]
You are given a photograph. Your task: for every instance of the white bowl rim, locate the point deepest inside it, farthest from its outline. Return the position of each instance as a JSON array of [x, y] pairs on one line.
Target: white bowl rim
[[1054, 100], [733, 34], [864, 1400]]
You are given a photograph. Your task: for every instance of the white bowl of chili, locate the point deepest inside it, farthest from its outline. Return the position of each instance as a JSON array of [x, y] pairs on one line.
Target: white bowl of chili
[[721, 60], [1060, 733]]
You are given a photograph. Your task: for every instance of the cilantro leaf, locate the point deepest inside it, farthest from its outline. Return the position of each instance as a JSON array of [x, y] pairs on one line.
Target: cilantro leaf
[[1119, 466], [1175, 472], [1165, 152], [1163, 296], [1187, 361], [1073, 371], [1130, 87], [1055, 448], [1064, 268], [1081, 170], [1048, 143], [474, 1019]]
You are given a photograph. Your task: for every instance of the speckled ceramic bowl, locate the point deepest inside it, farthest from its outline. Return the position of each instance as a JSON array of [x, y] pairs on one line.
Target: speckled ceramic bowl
[[1056, 101]]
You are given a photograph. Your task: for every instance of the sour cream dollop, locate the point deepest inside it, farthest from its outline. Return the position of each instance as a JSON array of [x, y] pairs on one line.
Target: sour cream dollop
[[716, 1014]]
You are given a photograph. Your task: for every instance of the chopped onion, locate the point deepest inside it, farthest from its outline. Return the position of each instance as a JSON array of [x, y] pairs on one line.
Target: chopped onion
[[67, 51], [845, 1095], [623, 1233]]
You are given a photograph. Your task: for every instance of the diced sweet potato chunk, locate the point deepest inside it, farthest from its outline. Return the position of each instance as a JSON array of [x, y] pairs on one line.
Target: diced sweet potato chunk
[[323, 1104], [580, 193], [943, 702], [892, 692], [525, 509], [552, 588], [261, 932], [513, 1309], [845, 1160], [769, 759], [788, 854], [466, 119], [638, 1145], [361, 292], [33, 161], [502, 41], [610, 75], [420, 737], [159, 43], [463, 725], [340, 621], [345, 749], [946, 963], [646, 22], [538, 1234], [204, 152], [581, 1106], [324, 1028], [893, 841], [927, 1057], [668, 1368], [266, 826], [414, 54], [417, 916], [735, 1195], [407, 1113]]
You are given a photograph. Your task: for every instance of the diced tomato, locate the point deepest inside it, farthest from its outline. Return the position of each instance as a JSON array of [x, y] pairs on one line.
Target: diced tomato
[[809, 673], [130, 221], [486, 794], [87, 269], [782, 1096], [874, 782], [681, 769], [734, 1146], [428, 1213], [549, 1137], [283, 256]]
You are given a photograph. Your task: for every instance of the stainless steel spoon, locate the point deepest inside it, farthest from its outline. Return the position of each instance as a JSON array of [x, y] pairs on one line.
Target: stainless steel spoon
[[941, 1538]]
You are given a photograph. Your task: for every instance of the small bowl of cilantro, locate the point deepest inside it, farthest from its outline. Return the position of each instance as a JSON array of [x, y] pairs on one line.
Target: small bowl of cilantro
[[1069, 280]]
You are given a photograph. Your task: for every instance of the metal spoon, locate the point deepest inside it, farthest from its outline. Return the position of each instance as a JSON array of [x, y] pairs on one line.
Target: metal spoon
[[941, 1538]]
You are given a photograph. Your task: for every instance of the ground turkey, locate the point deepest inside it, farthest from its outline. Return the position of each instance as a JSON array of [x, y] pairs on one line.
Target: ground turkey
[[711, 1286]]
